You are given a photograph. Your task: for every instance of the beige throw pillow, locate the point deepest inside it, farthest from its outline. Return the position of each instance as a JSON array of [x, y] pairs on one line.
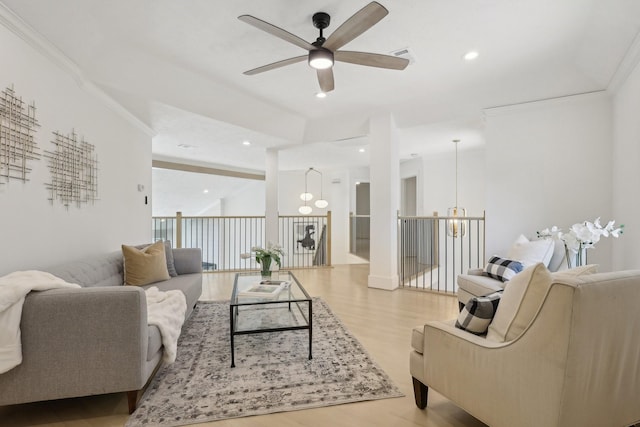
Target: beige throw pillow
[[145, 266], [523, 295]]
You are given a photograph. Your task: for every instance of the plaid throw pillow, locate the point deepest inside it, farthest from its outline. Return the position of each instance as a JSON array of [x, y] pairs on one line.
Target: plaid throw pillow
[[476, 316], [502, 269]]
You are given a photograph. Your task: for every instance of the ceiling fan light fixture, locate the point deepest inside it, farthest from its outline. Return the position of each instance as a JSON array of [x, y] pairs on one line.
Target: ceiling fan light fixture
[[471, 55], [320, 58]]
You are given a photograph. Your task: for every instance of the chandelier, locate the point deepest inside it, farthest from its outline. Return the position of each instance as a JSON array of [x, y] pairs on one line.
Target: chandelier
[[321, 203], [456, 227]]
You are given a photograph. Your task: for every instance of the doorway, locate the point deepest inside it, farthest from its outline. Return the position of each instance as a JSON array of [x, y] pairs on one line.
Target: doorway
[[360, 222]]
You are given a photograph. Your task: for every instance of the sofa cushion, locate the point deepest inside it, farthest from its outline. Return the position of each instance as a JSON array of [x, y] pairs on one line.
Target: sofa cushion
[[478, 313], [145, 266], [168, 251], [189, 284], [521, 299], [531, 252], [501, 268]]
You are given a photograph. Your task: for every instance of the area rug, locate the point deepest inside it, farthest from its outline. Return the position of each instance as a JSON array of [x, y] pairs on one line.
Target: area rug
[[272, 373]]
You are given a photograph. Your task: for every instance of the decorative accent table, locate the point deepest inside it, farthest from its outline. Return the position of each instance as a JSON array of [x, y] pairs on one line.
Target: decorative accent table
[[288, 309]]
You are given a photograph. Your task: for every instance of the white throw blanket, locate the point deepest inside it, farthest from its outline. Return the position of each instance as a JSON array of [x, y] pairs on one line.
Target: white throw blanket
[[166, 310], [14, 288]]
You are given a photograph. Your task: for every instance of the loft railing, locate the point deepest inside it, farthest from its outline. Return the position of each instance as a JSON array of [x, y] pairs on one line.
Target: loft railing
[[223, 239], [324, 246], [431, 257]]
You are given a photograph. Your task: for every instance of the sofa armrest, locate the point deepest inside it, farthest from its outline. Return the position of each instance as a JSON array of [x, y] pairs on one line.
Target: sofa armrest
[[187, 260], [475, 271], [78, 342]]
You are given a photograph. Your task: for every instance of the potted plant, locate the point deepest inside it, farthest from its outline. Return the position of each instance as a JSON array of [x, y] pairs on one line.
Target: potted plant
[[580, 237], [265, 257]]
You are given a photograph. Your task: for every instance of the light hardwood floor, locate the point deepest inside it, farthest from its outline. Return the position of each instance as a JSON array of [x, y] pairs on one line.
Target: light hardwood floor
[[381, 320]]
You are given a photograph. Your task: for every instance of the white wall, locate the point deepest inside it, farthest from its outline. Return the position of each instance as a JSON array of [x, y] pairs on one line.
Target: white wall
[[626, 173], [548, 163], [439, 181], [247, 200], [36, 233]]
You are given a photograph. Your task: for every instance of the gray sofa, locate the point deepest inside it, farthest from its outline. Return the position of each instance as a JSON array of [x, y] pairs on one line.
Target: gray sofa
[[93, 340]]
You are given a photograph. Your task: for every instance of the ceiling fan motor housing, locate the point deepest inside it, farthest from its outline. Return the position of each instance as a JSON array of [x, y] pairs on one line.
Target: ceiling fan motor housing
[[321, 20], [320, 58]]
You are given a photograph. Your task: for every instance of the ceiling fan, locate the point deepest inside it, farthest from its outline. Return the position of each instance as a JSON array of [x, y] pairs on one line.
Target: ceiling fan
[[323, 52]]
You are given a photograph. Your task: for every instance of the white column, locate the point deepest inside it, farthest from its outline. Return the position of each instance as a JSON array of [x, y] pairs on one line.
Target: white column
[[385, 185], [271, 195]]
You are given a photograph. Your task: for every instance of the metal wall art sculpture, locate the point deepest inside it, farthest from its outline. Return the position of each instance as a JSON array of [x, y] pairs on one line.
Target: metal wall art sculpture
[[74, 170], [18, 125]]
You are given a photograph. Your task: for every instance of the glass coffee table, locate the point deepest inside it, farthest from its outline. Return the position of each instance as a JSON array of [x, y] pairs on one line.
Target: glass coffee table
[[258, 306]]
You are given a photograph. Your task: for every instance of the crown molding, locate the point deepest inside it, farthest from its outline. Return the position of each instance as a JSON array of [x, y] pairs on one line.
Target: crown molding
[[626, 66], [543, 103], [40, 44]]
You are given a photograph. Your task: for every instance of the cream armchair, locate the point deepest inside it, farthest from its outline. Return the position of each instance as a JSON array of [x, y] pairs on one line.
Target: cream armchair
[[575, 362], [550, 252]]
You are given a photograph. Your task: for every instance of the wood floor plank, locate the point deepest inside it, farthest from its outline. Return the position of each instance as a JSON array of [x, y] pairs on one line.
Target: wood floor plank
[[381, 320]]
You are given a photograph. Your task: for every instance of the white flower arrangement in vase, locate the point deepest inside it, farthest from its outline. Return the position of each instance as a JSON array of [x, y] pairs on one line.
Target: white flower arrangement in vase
[[580, 237], [265, 256]]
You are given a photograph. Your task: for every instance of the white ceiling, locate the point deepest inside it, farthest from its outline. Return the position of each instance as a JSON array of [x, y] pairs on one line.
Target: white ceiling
[[177, 65]]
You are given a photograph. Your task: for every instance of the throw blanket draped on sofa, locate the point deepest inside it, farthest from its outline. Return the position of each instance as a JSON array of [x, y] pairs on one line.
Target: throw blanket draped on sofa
[[166, 310], [14, 288]]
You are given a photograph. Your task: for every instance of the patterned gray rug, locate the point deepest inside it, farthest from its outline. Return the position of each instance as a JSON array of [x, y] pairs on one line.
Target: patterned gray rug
[[272, 373]]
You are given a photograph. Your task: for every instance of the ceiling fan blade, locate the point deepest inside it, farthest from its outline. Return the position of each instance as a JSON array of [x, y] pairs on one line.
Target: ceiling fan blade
[[276, 31], [371, 59], [360, 22], [325, 78], [275, 65]]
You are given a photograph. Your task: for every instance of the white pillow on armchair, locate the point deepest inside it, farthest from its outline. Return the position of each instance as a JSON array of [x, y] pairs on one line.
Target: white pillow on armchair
[[531, 252]]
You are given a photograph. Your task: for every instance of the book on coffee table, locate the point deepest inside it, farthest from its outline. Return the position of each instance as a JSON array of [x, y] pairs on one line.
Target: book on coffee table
[[265, 289]]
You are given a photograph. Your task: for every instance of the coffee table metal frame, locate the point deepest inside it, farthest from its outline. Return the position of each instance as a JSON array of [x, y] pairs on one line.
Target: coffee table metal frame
[[283, 298]]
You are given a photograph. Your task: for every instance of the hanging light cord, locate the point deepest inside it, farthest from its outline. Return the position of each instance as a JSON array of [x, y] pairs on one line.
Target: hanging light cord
[[456, 142]]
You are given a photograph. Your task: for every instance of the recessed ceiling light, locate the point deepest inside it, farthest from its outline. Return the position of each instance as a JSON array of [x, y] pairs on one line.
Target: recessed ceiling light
[[361, 150], [321, 95], [246, 143], [205, 191], [357, 182], [470, 56], [186, 146]]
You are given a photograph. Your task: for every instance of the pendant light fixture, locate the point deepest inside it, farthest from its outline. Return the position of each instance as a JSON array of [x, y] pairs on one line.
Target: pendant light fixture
[[456, 227], [321, 203]]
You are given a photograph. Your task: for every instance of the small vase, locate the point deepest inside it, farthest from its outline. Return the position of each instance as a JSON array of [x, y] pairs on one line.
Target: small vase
[[266, 275], [576, 258], [266, 268]]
